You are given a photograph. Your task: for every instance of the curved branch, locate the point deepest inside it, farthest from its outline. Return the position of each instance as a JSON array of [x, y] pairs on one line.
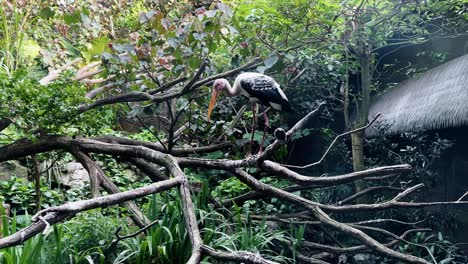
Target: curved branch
[[53, 215], [112, 199], [334, 180], [238, 256], [361, 248]]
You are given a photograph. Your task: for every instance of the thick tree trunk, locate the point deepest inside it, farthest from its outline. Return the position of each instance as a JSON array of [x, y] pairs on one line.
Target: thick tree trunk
[[357, 139]]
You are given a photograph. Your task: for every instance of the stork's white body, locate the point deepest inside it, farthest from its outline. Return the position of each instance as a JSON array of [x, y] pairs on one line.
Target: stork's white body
[[260, 88]]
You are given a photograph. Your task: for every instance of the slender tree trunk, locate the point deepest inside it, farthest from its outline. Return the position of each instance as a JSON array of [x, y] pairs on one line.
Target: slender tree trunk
[[37, 182], [357, 139]]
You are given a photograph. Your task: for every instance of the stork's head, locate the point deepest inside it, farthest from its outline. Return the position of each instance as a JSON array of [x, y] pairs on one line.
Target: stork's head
[[219, 85]]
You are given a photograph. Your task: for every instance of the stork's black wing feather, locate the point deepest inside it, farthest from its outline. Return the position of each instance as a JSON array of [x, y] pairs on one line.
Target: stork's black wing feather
[[265, 89]]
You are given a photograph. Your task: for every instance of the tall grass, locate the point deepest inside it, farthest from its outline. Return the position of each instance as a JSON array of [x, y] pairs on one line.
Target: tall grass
[[31, 252], [14, 23], [86, 238]]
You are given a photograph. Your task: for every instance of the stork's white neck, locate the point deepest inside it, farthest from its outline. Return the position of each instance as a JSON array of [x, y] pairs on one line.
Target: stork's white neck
[[231, 90]]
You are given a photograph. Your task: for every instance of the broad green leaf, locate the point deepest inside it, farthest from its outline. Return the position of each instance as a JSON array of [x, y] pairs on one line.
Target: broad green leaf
[[30, 49]]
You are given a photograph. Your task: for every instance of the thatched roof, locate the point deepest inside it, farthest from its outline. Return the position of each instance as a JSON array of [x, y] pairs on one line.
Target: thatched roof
[[437, 99]]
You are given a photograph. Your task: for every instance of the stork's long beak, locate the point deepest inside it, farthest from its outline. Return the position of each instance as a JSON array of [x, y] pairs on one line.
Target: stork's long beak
[[214, 95]]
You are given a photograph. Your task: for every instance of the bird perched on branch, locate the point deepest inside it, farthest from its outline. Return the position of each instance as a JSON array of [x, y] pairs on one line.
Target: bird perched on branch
[[256, 87]]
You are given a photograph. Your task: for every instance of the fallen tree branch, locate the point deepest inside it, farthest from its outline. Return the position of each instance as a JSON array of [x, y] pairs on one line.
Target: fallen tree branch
[[54, 74], [33, 229], [360, 248], [112, 199], [137, 216], [150, 169], [314, 209], [310, 182], [237, 256], [333, 180], [53, 215], [157, 146]]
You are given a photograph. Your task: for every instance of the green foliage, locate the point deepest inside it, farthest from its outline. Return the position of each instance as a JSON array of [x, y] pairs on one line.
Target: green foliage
[[420, 150], [48, 109], [145, 43], [434, 247], [33, 250], [166, 242], [247, 235], [230, 188], [21, 195], [84, 238], [79, 241], [16, 49]]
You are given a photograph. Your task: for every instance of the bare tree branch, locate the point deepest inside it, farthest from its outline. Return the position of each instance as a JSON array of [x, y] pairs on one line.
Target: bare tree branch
[[137, 216], [136, 96], [333, 143], [56, 214], [112, 199], [238, 256], [366, 191], [325, 219]]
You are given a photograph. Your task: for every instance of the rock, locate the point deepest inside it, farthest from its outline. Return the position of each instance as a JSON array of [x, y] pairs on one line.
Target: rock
[[12, 168], [362, 258], [73, 166], [74, 175]]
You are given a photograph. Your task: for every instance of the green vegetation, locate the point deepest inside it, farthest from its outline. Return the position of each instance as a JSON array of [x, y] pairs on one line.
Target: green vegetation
[[79, 78]]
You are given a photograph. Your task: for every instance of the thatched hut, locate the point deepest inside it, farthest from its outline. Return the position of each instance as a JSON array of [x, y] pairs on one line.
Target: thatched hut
[[437, 99]]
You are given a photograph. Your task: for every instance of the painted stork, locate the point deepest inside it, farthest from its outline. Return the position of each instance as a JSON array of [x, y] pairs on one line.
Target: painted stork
[[256, 87]]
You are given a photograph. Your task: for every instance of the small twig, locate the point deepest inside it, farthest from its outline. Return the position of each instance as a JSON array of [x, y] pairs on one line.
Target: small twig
[[332, 144], [297, 76], [197, 75], [368, 190], [167, 85], [155, 134], [156, 81], [88, 74], [233, 122], [238, 256], [120, 238], [378, 221], [407, 192], [463, 196], [47, 225]]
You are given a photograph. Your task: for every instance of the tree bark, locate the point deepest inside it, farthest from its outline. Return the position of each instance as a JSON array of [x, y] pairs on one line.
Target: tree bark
[[357, 139]]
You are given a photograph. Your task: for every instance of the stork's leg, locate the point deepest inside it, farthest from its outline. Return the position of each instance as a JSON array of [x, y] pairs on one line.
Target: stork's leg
[[254, 113], [265, 129]]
